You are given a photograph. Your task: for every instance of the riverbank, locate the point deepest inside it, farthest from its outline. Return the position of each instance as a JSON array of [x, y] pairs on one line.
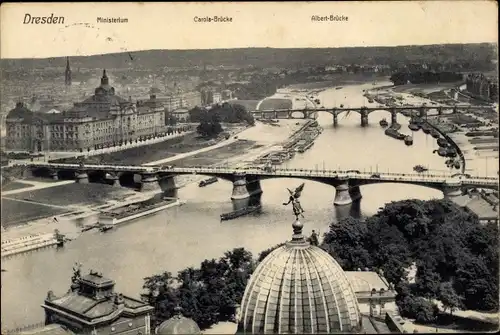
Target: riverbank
[[251, 143], [477, 159]]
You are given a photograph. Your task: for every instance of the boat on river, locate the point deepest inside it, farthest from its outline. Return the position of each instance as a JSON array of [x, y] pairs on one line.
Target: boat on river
[[434, 133], [414, 126], [208, 181], [426, 128], [104, 229], [396, 126], [391, 132], [240, 212], [384, 123], [420, 168], [443, 143], [408, 140]]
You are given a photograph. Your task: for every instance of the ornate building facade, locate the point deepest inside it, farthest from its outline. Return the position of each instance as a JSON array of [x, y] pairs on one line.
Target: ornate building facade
[[102, 120], [92, 307]]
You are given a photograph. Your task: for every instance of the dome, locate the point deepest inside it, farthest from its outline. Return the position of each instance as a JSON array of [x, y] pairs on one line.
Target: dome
[[299, 288], [178, 324]]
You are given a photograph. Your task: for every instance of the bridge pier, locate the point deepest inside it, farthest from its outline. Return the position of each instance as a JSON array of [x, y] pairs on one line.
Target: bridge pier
[[450, 191], [440, 111], [167, 183], [342, 195], [240, 190], [364, 119], [115, 180], [421, 112], [149, 183], [394, 118], [355, 192], [82, 177], [335, 118]]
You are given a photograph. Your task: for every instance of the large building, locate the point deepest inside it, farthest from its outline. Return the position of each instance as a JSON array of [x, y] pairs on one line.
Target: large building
[[102, 120], [174, 101], [92, 307], [299, 288]]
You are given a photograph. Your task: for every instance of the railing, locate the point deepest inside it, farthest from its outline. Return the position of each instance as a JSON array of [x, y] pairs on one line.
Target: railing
[[283, 172], [23, 328]]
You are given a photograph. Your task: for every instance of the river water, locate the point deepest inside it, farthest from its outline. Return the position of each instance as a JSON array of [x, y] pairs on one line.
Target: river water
[[184, 236]]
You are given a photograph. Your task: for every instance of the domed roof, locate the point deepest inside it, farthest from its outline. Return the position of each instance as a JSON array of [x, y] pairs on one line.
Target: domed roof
[[299, 288], [178, 324]]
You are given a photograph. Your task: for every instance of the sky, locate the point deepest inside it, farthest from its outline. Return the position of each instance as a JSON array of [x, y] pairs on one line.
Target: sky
[[278, 25]]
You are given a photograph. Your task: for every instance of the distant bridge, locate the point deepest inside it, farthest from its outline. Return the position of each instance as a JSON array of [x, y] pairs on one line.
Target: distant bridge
[[310, 113], [246, 181]]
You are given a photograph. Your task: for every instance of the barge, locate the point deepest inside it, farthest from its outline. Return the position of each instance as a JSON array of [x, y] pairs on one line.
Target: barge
[[32, 243], [125, 213], [208, 181], [434, 133], [240, 212], [391, 132], [414, 126], [396, 126], [408, 140], [426, 128], [443, 143]]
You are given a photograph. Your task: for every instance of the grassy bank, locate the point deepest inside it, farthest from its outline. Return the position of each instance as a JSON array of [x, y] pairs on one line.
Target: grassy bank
[[153, 152], [16, 213], [217, 156]]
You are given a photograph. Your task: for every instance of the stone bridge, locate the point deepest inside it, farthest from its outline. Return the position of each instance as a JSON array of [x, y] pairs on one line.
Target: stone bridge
[[246, 181], [310, 113]]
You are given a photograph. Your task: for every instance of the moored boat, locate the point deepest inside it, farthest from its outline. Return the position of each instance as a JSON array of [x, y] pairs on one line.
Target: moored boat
[[434, 133], [396, 126], [457, 164], [414, 126], [450, 152], [105, 228], [426, 128], [394, 134], [420, 168], [442, 152], [408, 140], [208, 181], [384, 123], [240, 212], [442, 142]]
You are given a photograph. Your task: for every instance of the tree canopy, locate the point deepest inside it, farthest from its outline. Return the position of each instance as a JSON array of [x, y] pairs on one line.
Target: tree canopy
[[207, 294], [455, 256]]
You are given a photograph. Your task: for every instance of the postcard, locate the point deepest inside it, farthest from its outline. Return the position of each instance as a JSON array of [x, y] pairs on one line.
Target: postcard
[[249, 167]]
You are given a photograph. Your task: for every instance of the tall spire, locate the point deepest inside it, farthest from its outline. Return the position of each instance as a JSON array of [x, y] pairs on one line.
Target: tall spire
[[67, 73], [104, 79]]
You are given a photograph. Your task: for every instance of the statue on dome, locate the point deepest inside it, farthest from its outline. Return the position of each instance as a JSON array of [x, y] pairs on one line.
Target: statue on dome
[[77, 272], [294, 200]]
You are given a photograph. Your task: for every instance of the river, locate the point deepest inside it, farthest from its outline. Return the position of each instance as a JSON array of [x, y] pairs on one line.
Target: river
[[184, 236]]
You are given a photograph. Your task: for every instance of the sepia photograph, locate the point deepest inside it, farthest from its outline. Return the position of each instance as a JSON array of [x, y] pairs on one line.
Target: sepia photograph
[[249, 167]]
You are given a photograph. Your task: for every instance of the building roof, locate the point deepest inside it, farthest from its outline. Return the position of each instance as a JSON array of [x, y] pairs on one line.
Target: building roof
[[178, 324], [299, 288], [365, 281]]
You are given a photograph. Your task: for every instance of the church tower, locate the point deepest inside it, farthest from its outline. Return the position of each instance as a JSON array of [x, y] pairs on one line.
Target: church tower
[[67, 79]]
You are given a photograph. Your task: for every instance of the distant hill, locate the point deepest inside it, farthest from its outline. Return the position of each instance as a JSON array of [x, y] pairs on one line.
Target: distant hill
[[270, 57]]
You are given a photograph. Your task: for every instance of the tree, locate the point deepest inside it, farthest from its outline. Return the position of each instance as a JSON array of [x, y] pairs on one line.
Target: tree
[[345, 241], [449, 298]]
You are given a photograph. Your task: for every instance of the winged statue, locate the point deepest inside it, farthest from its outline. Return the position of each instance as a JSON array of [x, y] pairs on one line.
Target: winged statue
[[294, 200]]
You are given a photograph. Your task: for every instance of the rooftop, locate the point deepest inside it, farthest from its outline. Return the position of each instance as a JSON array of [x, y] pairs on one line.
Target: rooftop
[[299, 288]]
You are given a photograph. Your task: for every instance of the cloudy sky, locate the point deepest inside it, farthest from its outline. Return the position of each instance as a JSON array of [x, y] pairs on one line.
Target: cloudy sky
[[279, 25]]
